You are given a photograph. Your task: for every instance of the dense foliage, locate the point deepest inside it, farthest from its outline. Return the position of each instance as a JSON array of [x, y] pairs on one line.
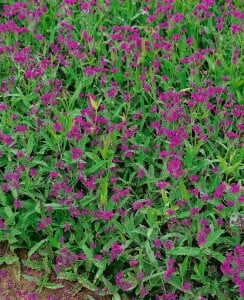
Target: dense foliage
[[121, 154]]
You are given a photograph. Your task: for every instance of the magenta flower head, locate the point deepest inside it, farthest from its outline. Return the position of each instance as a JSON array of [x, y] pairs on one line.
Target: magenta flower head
[[233, 266], [44, 223], [157, 242], [116, 249], [162, 184], [33, 172], [137, 205], [143, 291], [58, 126], [186, 286], [18, 204], [2, 224], [133, 262], [194, 211], [235, 188], [20, 128], [168, 245], [76, 153], [201, 238]]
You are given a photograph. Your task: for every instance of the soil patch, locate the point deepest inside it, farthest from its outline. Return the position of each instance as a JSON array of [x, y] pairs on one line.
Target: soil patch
[[14, 287]]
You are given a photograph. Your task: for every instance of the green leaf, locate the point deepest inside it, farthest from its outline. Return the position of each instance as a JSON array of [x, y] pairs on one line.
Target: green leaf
[[184, 191], [36, 247], [30, 278], [86, 283], [9, 259], [54, 242], [165, 197], [96, 166], [184, 267], [30, 145], [53, 286], [188, 251], [104, 191], [223, 162], [116, 296], [198, 278], [99, 272], [57, 206], [67, 276], [231, 169], [150, 254], [8, 211], [215, 254], [212, 237], [33, 264]]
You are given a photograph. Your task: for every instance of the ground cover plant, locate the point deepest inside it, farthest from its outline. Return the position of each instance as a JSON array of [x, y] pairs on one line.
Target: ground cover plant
[[121, 145]]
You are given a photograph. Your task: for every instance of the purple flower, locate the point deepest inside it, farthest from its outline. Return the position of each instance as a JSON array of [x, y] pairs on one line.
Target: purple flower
[[194, 211], [116, 249], [186, 286], [157, 242], [33, 172], [201, 238], [143, 291], [233, 266], [162, 184], [137, 205], [76, 153], [169, 273], [44, 223], [168, 245], [18, 204], [58, 126], [2, 224], [235, 188], [20, 128], [134, 262], [54, 174]]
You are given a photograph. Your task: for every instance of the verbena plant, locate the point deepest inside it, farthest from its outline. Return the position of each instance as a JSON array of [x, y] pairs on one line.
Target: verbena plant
[[121, 152]]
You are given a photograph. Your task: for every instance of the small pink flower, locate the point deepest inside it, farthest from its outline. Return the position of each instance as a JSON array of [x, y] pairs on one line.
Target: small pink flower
[[76, 153], [116, 249], [98, 257], [54, 174], [169, 273], [20, 128], [225, 78], [235, 28], [194, 211], [220, 206], [162, 184], [186, 222], [137, 205], [19, 153], [157, 242], [235, 188], [67, 227], [168, 245], [33, 172], [201, 238], [141, 173], [58, 126], [186, 286], [143, 291], [220, 221], [18, 204], [44, 223], [193, 178], [241, 199], [134, 262]]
